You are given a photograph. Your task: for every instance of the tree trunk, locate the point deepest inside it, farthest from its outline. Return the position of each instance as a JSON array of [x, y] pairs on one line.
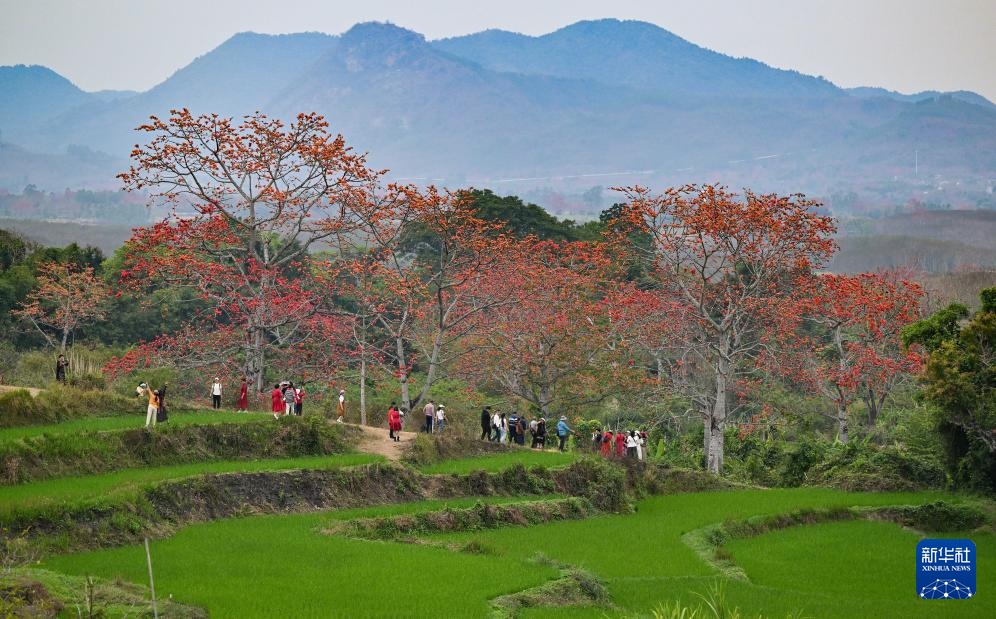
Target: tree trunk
[[363, 389], [842, 431], [65, 339], [255, 360], [406, 400], [872, 404], [706, 437], [717, 421]]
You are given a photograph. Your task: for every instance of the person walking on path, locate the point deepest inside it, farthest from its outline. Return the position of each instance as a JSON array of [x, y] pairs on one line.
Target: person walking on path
[[243, 403], [340, 407], [639, 445], [61, 365], [563, 431], [276, 401], [440, 418], [486, 423], [496, 427], [620, 444], [216, 393], [430, 414], [152, 412], [513, 427], [606, 443], [520, 432], [394, 422], [289, 394]]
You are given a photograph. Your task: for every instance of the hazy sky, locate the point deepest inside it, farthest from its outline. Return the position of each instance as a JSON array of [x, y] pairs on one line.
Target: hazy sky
[[905, 45]]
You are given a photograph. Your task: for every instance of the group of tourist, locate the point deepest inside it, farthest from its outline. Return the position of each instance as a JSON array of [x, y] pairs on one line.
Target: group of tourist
[[619, 444], [287, 399], [501, 427]]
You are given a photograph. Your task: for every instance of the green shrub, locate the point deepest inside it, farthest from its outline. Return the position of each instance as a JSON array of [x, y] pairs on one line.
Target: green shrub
[[867, 467], [938, 517]]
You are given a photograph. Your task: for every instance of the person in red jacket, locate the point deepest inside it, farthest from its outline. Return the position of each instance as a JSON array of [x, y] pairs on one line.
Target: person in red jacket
[[277, 402], [620, 444], [606, 444], [394, 422]]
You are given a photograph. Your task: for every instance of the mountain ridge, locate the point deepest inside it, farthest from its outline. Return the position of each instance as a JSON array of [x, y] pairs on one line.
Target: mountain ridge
[[594, 100]]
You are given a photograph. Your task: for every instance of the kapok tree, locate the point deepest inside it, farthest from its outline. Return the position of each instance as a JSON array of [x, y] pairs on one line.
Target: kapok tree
[[845, 341], [732, 259], [250, 200], [863, 316], [556, 346], [420, 280], [66, 297]]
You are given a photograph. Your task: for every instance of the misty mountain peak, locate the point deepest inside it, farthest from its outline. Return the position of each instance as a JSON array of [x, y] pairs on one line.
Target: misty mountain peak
[[379, 44]]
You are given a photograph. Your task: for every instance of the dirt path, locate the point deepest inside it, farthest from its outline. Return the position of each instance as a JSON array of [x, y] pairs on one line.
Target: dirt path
[[32, 390], [376, 441]]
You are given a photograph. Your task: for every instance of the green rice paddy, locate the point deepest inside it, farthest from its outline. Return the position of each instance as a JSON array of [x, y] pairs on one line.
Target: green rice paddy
[[283, 566]]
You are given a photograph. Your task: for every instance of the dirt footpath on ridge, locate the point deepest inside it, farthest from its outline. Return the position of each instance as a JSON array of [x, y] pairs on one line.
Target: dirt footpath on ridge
[[376, 441]]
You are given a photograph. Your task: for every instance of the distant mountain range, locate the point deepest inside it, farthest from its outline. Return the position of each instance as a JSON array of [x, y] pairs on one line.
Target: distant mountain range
[[595, 103]]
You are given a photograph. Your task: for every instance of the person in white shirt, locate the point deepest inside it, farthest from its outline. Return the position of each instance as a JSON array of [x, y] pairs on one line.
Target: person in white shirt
[[440, 418], [216, 393], [639, 446], [430, 414], [496, 425], [631, 442]]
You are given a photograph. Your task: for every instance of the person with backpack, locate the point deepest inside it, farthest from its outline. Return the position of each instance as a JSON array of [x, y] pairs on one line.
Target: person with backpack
[[216, 393], [513, 427], [61, 365], [289, 394], [563, 431], [520, 432], [486, 423], [394, 422], [539, 434], [606, 443]]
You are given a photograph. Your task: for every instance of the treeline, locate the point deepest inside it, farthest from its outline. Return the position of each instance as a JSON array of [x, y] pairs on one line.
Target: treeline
[[696, 309], [112, 207]]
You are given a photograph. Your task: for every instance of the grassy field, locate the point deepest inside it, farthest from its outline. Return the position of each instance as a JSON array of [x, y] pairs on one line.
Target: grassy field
[[99, 487], [497, 462], [282, 567], [865, 566], [106, 424], [292, 570]]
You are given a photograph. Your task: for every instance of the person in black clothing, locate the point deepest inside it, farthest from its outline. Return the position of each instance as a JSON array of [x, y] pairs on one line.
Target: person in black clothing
[[539, 434], [60, 369], [163, 415], [486, 423]]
